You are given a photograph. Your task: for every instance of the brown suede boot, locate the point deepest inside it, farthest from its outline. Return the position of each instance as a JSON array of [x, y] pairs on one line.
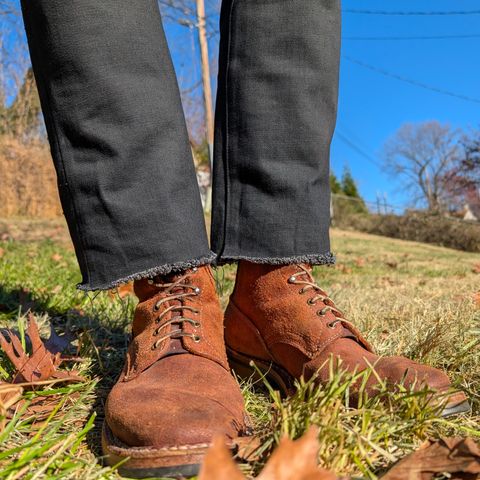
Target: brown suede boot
[[176, 391], [280, 318]]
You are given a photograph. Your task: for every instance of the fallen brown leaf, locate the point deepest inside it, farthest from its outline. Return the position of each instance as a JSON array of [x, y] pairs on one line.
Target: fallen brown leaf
[[38, 408], [9, 396], [476, 299], [343, 268], [247, 448], [476, 268], [41, 364], [122, 291], [360, 262], [292, 460], [218, 463], [458, 457]]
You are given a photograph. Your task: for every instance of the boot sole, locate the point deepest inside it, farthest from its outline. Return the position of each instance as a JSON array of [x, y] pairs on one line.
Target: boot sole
[[281, 379], [146, 462]]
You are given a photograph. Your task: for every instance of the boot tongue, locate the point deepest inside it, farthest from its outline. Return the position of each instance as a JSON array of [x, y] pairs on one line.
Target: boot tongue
[[175, 345], [148, 288]]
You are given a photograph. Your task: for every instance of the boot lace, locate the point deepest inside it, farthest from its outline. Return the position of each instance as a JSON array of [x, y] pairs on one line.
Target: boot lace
[[305, 278], [176, 290]]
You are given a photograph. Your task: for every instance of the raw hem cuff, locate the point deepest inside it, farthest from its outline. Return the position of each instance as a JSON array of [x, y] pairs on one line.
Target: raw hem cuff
[[152, 272], [314, 259]]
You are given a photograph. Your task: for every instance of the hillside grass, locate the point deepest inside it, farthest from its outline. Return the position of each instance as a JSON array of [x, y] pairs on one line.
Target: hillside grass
[[411, 299]]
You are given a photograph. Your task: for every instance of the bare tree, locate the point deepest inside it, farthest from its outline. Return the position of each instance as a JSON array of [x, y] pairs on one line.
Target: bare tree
[[419, 156], [463, 180], [199, 17], [19, 105]]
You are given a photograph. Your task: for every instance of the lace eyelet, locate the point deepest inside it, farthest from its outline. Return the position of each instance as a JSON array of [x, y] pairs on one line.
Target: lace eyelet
[[156, 307], [321, 313], [197, 290], [197, 324], [301, 291], [292, 279], [195, 269], [150, 281], [310, 302], [196, 338], [154, 346], [332, 325]]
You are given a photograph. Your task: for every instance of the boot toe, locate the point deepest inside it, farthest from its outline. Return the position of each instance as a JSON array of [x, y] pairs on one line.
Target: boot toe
[[176, 402], [397, 369]]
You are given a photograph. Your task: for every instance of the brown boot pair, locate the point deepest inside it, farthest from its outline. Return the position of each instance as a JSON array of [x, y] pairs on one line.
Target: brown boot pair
[[176, 391]]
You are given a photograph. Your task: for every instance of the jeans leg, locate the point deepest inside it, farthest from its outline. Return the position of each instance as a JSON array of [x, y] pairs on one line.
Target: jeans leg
[[276, 112], [118, 137]]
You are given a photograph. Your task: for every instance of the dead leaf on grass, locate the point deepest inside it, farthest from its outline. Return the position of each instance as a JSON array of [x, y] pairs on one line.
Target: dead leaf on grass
[[122, 291], [9, 396], [343, 268], [292, 460], [476, 299], [42, 363], [56, 257], [476, 268], [218, 463], [37, 408], [360, 262], [458, 457]]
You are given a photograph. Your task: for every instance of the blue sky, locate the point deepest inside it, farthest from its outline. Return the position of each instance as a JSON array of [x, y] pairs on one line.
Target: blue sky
[[371, 106]]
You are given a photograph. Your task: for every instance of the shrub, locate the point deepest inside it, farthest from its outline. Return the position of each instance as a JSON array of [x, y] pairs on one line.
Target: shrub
[[29, 185], [418, 227]]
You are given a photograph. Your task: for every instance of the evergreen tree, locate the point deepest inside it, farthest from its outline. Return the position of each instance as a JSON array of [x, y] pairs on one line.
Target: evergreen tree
[[349, 186], [335, 186]]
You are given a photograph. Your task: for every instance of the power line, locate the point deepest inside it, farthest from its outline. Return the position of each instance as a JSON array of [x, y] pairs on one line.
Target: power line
[[411, 13], [421, 37], [411, 81], [358, 149]]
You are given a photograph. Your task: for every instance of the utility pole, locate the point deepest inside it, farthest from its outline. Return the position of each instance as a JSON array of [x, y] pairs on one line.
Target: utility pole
[[207, 86], [207, 90]]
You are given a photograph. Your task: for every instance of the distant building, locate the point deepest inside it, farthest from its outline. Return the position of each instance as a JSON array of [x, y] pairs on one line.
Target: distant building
[[471, 212]]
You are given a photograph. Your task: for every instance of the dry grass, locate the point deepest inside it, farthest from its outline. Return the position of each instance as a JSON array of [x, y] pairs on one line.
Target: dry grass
[[412, 299], [29, 185]]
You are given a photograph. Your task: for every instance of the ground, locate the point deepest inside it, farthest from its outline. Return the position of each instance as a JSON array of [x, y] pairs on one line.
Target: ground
[[411, 299]]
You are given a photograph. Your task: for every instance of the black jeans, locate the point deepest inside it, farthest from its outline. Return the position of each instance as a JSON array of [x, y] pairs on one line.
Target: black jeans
[[120, 146]]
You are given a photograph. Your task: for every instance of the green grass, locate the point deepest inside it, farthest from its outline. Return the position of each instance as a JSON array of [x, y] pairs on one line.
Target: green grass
[[411, 299]]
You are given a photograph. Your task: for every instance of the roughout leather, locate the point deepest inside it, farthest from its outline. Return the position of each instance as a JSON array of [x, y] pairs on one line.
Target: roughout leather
[[180, 394], [269, 319]]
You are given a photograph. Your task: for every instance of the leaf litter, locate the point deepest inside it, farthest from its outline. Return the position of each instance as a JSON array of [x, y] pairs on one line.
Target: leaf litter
[[32, 370], [456, 458]]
